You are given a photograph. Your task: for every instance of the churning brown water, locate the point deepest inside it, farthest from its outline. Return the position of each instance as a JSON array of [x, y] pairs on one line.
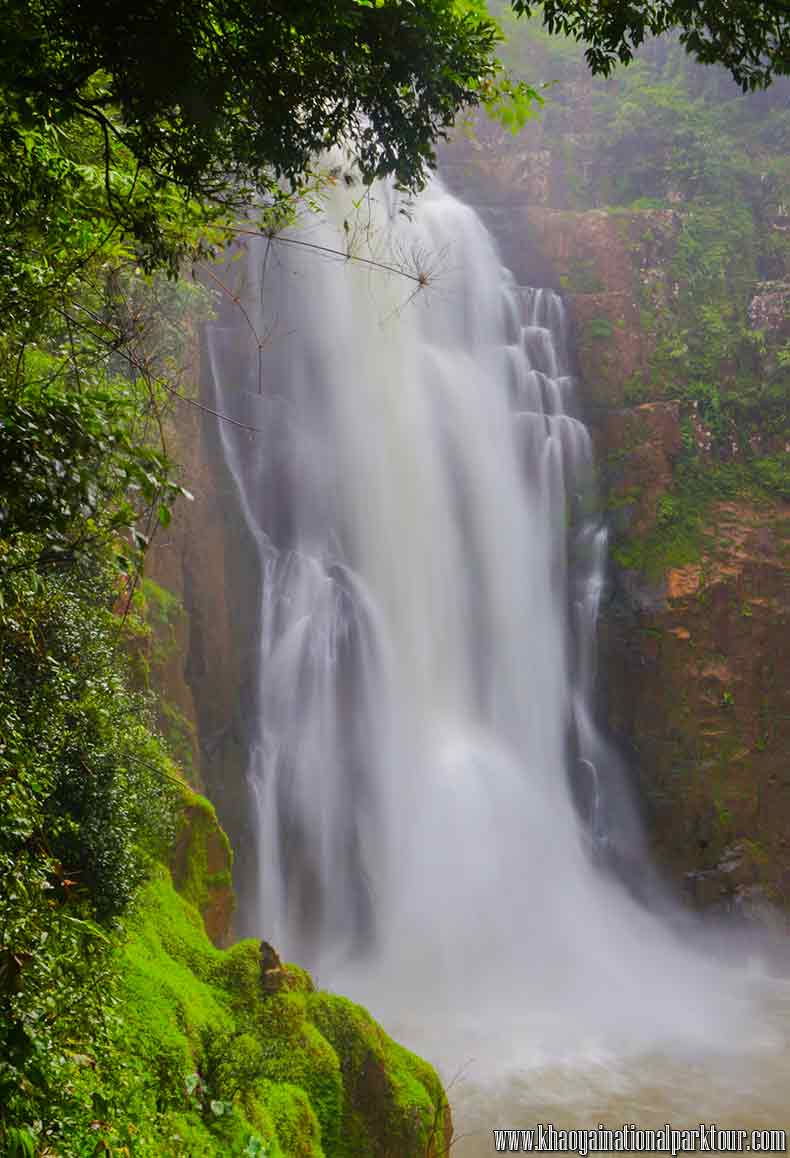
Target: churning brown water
[[743, 1088]]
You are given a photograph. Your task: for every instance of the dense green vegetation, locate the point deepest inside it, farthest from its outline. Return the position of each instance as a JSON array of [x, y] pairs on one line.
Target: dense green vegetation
[[86, 804], [719, 164], [87, 792]]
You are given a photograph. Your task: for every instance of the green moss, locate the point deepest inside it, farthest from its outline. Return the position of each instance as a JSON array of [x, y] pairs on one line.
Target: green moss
[[624, 498], [169, 1012], [169, 1001], [202, 858], [211, 1064], [636, 390], [298, 1054], [756, 851], [152, 620], [192, 1018], [582, 277], [239, 972], [673, 542], [179, 732], [681, 534], [295, 1124], [393, 1101], [598, 329]]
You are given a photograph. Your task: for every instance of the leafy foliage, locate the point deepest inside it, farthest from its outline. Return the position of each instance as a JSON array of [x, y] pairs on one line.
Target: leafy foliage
[[70, 472], [751, 40], [85, 804], [86, 789], [695, 178], [208, 95]]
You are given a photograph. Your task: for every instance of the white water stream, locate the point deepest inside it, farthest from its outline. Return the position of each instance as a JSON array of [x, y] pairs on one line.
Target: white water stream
[[437, 815]]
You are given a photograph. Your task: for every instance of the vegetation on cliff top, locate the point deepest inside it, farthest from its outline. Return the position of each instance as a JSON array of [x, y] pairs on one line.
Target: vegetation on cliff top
[[695, 179]]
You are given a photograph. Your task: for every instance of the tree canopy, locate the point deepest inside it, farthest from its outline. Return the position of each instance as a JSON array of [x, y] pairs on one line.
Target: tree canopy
[[205, 93], [751, 39], [203, 90], [198, 103]]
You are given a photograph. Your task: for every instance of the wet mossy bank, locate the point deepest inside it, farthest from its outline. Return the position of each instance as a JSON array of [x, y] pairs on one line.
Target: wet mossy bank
[[233, 1053]]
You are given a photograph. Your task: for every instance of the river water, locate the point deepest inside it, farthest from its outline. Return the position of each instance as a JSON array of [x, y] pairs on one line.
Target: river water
[[744, 1089]]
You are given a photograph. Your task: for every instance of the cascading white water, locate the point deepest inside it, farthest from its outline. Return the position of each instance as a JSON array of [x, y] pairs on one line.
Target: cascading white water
[[421, 718]]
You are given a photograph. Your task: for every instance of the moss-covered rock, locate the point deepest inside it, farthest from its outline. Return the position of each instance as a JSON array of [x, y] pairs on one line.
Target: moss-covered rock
[[638, 448], [223, 1061], [201, 864], [393, 1102]]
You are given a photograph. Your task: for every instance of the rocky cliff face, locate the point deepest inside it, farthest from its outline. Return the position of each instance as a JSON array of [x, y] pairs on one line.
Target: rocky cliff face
[[200, 599], [692, 443]]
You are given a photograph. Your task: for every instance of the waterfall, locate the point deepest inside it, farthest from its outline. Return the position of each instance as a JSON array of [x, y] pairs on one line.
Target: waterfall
[[436, 815]]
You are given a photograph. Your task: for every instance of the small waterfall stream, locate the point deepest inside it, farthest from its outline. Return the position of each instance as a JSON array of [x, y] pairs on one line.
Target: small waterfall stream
[[437, 816]]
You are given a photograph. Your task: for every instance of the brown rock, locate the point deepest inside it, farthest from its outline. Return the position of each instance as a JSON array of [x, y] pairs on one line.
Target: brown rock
[[609, 344], [639, 447], [704, 709], [683, 581], [273, 975], [680, 632]]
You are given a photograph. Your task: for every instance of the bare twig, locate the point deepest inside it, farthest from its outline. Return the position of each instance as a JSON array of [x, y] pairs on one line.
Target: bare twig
[[337, 253], [165, 385]]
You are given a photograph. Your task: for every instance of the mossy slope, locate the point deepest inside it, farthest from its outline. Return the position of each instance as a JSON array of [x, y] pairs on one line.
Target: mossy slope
[[225, 1067], [201, 865]]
